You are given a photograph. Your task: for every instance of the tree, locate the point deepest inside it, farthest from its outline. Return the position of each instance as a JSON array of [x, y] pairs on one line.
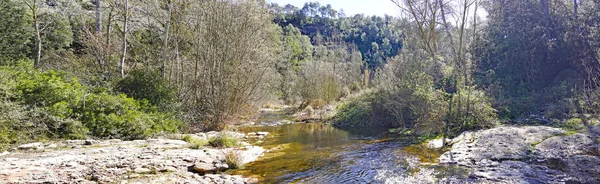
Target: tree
[[33, 6], [14, 35], [124, 36], [230, 53]]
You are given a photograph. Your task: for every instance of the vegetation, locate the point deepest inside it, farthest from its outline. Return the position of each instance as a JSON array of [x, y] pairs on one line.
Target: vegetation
[[132, 68], [234, 159], [195, 143], [224, 140], [42, 105]]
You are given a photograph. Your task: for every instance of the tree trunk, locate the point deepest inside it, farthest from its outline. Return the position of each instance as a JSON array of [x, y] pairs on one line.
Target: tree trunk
[[546, 11], [124, 53], [575, 9], [98, 4], [36, 26], [108, 47], [38, 39], [98, 33]]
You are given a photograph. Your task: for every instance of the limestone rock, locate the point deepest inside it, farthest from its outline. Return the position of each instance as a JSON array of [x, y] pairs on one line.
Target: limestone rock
[[31, 146], [564, 146], [205, 167], [503, 143], [435, 143]]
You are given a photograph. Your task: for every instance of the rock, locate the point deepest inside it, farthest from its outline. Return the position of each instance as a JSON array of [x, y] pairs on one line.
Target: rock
[[529, 154], [204, 167], [435, 143], [141, 170], [120, 161], [517, 172], [89, 142], [251, 153], [503, 143], [52, 146], [4, 153], [262, 133], [168, 169], [74, 142], [71, 164], [584, 168], [564, 146], [30, 146], [11, 159]]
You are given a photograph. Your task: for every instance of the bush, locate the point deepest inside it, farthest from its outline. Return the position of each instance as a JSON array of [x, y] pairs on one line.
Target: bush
[[196, 143], [471, 110], [38, 105], [224, 140], [147, 85]]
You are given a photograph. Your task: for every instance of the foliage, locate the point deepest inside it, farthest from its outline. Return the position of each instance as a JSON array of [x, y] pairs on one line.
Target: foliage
[[224, 140], [196, 143], [356, 114], [50, 105], [148, 85], [15, 32], [375, 37], [471, 110]]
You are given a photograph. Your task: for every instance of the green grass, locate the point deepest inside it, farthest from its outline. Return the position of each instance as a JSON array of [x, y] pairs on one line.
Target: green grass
[[224, 140], [195, 143]]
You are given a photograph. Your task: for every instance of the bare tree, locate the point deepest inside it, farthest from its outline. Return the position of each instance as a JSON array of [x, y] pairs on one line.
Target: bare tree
[[33, 6], [124, 47]]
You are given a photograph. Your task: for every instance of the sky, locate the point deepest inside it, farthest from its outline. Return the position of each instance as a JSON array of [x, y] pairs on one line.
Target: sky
[[351, 7]]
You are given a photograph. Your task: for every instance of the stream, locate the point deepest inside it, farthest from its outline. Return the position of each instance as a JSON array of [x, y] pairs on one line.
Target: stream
[[320, 153]]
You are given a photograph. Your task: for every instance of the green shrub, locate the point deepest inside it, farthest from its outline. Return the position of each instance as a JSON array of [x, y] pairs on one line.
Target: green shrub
[[39, 105], [224, 140], [196, 143], [471, 110], [355, 114], [147, 85]]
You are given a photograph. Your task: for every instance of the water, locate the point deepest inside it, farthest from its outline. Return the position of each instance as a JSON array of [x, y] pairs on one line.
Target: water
[[320, 153]]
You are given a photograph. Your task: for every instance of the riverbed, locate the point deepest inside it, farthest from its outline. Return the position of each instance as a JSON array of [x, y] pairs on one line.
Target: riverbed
[[320, 153]]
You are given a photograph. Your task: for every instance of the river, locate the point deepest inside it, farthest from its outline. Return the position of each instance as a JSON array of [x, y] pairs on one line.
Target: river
[[320, 153]]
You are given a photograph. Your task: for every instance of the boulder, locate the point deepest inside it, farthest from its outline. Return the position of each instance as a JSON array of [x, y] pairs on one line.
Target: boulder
[[262, 133], [564, 146], [206, 167], [141, 170], [31, 146], [497, 144], [435, 143]]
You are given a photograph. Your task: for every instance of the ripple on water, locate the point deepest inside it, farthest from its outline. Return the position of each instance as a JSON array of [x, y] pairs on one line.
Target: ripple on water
[[318, 153]]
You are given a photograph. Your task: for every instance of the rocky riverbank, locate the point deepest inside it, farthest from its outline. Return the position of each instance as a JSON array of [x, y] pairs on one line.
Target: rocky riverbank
[[528, 154], [115, 161]]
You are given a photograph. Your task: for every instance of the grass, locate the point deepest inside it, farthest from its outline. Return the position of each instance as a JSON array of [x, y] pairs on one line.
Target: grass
[[234, 160], [224, 140], [195, 143]]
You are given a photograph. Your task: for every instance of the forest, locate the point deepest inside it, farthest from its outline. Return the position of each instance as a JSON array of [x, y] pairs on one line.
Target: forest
[[131, 69]]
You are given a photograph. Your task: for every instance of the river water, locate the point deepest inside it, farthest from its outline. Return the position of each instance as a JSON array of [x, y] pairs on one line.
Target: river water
[[320, 153]]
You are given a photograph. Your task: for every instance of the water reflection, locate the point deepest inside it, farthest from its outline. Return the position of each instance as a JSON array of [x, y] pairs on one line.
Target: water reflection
[[320, 153]]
